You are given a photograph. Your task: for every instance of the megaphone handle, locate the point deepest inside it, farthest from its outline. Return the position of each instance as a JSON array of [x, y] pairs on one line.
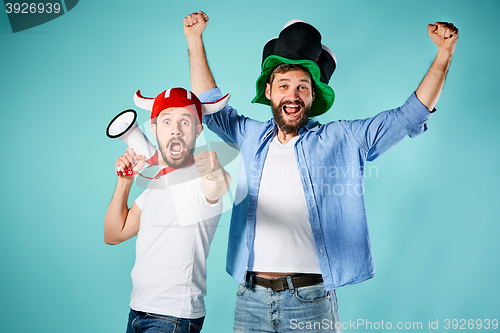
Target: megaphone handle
[[127, 173]]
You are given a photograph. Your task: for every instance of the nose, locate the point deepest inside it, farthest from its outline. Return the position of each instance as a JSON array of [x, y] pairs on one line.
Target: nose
[[176, 129], [294, 95]]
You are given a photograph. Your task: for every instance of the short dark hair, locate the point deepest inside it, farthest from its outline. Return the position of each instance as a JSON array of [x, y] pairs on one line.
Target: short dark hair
[[284, 67]]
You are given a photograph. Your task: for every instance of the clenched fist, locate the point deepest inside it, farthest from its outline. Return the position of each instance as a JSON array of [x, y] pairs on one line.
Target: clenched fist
[[443, 34], [195, 24], [207, 163]]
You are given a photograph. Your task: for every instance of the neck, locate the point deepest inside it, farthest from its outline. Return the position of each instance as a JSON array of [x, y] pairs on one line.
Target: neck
[[162, 163], [285, 137]]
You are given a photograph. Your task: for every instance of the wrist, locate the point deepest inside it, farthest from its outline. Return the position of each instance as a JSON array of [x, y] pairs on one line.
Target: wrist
[[125, 181], [194, 39], [444, 53]]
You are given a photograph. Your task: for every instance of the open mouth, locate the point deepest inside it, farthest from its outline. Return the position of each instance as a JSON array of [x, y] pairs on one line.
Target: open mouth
[[292, 110], [175, 149]]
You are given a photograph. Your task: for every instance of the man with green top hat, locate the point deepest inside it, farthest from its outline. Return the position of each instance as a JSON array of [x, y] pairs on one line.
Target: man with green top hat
[[299, 228]]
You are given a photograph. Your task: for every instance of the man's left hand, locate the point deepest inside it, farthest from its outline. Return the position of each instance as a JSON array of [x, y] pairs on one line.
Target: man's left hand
[[444, 35]]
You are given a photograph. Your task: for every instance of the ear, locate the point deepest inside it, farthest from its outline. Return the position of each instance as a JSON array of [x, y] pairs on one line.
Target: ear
[[268, 91], [199, 128], [153, 129]]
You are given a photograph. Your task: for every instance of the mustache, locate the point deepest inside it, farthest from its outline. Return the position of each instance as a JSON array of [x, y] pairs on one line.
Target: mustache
[[177, 139], [295, 101]]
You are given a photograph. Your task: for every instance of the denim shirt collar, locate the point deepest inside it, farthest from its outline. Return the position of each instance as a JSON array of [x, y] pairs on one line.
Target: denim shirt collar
[[312, 125]]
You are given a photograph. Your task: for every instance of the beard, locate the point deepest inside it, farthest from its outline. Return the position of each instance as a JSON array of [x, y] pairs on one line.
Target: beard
[[185, 155], [292, 126]]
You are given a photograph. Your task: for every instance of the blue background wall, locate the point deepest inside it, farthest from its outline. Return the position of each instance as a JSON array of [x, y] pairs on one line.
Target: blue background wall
[[433, 204]]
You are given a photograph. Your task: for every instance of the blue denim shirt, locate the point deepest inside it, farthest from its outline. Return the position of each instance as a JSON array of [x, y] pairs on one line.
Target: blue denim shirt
[[331, 160]]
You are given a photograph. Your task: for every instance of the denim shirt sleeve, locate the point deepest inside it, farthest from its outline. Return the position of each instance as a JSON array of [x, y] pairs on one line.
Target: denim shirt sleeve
[[226, 123], [378, 134]]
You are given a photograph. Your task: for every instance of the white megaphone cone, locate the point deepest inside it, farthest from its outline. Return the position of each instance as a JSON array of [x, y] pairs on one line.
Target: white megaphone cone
[[124, 127]]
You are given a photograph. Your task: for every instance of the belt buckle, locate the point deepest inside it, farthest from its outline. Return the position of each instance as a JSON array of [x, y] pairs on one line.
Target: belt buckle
[[277, 284]]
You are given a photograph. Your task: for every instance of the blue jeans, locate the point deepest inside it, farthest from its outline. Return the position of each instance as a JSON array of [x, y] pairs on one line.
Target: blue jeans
[[141, 322], [306, 309]]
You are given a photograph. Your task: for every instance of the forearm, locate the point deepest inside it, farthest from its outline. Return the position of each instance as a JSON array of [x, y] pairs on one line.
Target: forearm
[[201, 76], [116, 215], [215, 185], [430, 88]]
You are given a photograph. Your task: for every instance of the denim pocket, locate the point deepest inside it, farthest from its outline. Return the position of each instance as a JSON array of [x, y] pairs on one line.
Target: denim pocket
[[312, 294], [241, 290], [193, 328]]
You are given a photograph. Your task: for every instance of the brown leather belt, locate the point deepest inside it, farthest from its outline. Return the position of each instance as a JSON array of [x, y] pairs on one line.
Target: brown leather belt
[[279, 284]]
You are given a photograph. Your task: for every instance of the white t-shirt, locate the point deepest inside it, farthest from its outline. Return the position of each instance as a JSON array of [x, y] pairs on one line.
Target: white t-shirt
[[176, 229], [283, 235]]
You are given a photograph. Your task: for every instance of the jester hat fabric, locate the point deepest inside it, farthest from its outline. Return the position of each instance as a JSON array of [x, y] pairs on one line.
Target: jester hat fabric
[[299, 43], [175, 97]]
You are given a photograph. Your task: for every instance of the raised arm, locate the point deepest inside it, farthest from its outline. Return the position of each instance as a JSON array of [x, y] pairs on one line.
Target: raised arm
[[445, 36], [201, 76], [121, 223]]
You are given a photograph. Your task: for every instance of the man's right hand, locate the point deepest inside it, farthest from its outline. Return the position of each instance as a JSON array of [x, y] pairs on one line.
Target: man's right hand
[[195, 24], [130, 161]]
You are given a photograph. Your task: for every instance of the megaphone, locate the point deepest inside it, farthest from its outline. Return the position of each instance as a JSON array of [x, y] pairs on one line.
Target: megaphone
[[124, 127]]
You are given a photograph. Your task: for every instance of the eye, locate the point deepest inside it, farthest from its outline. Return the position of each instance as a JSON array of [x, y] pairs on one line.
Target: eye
[[166, 122], [304, 88], [184, 122], [282, 86]]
